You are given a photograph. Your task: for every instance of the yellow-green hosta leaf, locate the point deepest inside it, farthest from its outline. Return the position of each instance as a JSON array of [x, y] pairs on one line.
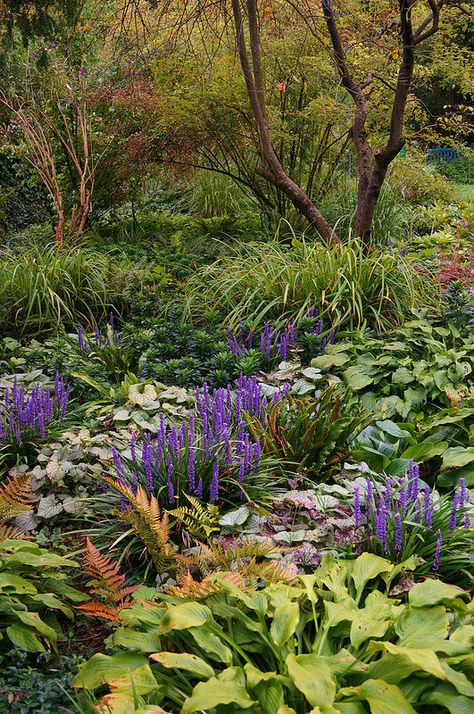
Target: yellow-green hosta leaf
[[10, 583], [255, 676], [433, 592], [141, 393], [284, 623], [33, 620], [422, 627], [383, 698], [459, 681], [139, 641], [101, 668], [181, 617], [313, 677], [400, 662], [227, 688], [184, 660], [367, 567], [211, 644], [270, 696]]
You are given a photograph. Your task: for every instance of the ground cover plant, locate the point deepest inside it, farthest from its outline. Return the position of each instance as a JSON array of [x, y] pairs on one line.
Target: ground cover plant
[[236, 358]]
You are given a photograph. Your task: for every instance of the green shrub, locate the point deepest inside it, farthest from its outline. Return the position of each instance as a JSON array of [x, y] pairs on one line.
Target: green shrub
[[460, 170], [420, 183], [264, 281], [43, 289], [333, 642]]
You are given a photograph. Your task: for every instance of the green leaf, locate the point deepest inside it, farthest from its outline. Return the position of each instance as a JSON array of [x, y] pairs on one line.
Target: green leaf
[[284, 623], [446, 696], [33, 620], [433, 592], [101, 668], [367, 567], [227, 688], [401, 662], [383, 698], [422, 627], [24, 638], [313, 677], [327, 361], [457, 456], [211, 645], [181, 617], [356, 379], [10, 583], [402, 376], [420, 452], [143, 642], [184, 660]]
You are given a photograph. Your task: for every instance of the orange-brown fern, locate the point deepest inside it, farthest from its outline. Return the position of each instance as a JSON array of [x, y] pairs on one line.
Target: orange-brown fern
[[107, 582], [16, 496]]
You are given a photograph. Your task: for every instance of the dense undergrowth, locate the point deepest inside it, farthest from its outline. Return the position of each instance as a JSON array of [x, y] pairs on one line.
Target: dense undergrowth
[[237, 468]]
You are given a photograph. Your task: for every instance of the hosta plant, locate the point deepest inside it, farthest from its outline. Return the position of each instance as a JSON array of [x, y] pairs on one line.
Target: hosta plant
[[335, 642], [34, 595]]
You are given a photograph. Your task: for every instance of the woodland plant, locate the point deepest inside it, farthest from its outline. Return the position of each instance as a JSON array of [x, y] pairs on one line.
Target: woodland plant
[[402, 517], [333, 641], [265, 281]]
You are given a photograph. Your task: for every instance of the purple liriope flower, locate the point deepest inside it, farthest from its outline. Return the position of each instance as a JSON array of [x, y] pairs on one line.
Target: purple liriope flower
[[381, 526], [191, 470], [398, 532], [80, 339], [357, 511], [454, 515], [437, 555], [199, 489], [403, 496], [170, 480], [467, 522], [214, 488], [462, 492]]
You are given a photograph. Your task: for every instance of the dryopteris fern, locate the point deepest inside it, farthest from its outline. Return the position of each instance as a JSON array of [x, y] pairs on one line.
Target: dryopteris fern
[[247, 559], [15, 496], [148, 521], [106, 582], [188, 587], [200, 520]]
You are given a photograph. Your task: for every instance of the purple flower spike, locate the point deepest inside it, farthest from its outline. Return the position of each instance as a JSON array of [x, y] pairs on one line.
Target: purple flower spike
[[214, 488], [453, 516], [357, 511], [398, 532], [462, 492], [437, 556]]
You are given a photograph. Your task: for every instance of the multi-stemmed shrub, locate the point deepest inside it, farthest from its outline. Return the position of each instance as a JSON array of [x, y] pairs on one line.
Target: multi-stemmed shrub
[[333, 642]]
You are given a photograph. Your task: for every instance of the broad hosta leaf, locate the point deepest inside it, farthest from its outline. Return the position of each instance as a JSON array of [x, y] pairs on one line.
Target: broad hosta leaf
[[432, 592], [356, 379], [284, 623], [366, 567], [187, 662], [103, 668], [10, 583], [446, 696], [227, 688], [457, 456], [141, 680], [313, 677], [383, 698], [400, 662], [24, 638], [330, 360], [422, 627], [181, 617], [211, 645], [270, 696], [143, 642]]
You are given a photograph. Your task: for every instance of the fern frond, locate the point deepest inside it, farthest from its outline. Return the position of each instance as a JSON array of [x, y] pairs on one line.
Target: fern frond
[[16, 496], [12, 532], [99, 609], [201, 521], [188, 587], [107, 580], [148, 521]]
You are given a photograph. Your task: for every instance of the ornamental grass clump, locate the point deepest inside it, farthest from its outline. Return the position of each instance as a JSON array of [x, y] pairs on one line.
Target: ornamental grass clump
[[27, 418], [404, 517]]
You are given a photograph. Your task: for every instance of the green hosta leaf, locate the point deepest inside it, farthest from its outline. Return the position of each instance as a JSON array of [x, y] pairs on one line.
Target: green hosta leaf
[[270, 696], [459, 681], [103, 668], [33, 620], [356, 379], [457, 456], [181, 617], [256, 676], [401, 662], [24, 638], [313, 677], [211, 644], [53, 602], [141, 680], [422, 627], [284, 623], [327, 361], [424, 451], [433, 592], [402, 376], [185, 661], [367, 567], [227, 688], [446, 696], [10, 583], [143, 642], [383, 698]]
